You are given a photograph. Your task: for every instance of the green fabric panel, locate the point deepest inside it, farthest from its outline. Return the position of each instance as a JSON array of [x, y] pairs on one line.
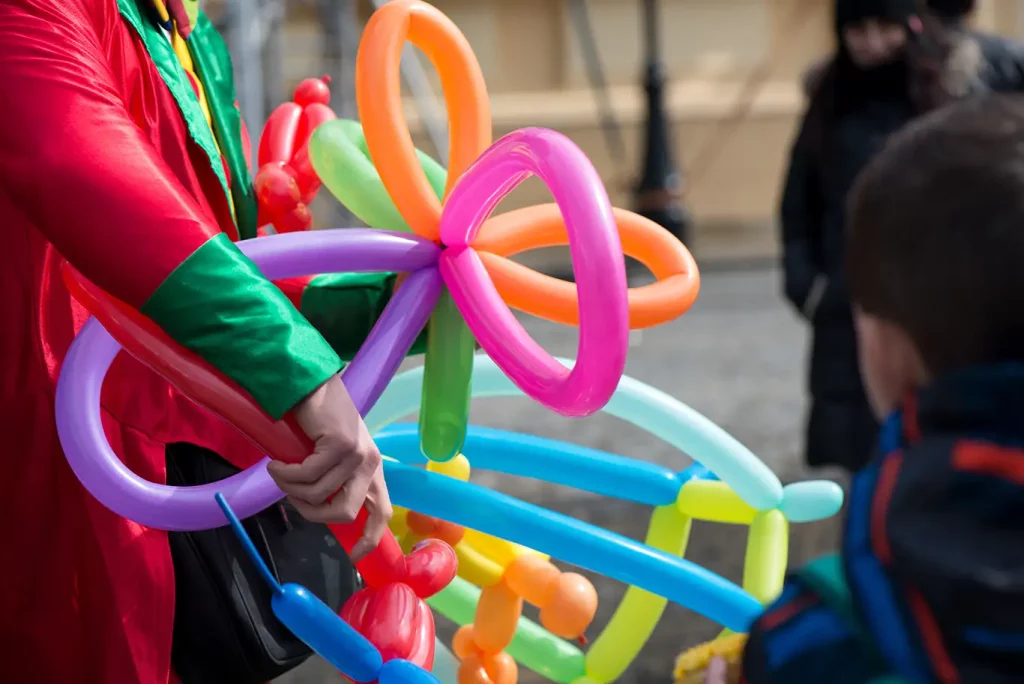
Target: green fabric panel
[[213, 66], [344, 307], [220, 306], [160, 51]]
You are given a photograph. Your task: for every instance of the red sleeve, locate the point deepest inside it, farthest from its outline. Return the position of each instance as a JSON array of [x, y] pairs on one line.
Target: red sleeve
[[75, 163]]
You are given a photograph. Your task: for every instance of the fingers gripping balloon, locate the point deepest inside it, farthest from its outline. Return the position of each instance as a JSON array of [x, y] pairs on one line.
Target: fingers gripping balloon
[[286, 183], [389, 184]]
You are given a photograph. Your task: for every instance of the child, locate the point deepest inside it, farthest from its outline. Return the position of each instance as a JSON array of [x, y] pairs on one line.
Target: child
[[929, 586]]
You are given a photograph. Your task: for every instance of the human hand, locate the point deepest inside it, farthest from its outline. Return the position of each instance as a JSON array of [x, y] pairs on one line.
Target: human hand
[[717, 671], [343, 473]]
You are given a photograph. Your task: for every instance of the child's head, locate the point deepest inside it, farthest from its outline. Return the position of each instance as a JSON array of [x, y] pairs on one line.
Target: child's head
[[935, 252]]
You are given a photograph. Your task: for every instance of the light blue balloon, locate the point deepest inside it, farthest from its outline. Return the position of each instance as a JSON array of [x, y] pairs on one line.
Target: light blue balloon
[[809, 501], [582, 468], [572, 541], [650, 409]]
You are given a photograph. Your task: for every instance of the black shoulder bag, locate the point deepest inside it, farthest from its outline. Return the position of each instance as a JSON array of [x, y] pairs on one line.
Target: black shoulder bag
[[224, 629]]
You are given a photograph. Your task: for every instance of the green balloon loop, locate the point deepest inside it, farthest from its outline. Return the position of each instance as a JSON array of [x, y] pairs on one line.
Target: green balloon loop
[[532, 646], [447, 374], [338, 152]]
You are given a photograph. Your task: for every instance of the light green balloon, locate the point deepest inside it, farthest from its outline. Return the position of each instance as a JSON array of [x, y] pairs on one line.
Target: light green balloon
[[532, 646], [338, 152]]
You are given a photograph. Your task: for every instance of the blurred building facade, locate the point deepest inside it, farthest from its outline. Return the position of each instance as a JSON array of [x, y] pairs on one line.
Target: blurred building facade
[[734, 96]]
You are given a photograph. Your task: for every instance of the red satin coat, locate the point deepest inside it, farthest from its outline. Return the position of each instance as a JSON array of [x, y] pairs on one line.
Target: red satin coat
[[85, 596]]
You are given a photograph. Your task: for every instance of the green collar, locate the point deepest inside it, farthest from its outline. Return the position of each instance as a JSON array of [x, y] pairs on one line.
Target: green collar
[[213, 67]]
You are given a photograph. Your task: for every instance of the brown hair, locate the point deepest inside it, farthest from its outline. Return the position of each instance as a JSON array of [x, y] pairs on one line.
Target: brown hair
[[936, 233]]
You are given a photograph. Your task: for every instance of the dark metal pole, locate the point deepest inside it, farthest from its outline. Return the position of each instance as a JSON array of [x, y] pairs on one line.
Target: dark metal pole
[[659, 193]]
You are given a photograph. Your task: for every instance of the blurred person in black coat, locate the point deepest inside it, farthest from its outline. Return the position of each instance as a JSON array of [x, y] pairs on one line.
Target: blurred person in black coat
[[891, 65]]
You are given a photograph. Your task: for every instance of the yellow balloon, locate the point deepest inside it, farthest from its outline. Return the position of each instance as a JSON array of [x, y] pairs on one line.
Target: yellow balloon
[[457, 467], [407, 541], [399, 524], [714, 501], [476, 568], [764, 568], [638, 614], [498, 550]]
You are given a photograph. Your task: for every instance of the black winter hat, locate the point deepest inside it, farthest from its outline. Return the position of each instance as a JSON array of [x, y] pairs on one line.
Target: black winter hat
[[952, 9], [853, 11]]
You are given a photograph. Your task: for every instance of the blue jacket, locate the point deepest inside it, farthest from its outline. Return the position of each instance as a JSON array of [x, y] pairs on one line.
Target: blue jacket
[[929, 586]]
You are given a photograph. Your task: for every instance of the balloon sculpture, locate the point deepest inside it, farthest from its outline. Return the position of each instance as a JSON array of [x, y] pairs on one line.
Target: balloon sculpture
[[365, 174], [285, 183], [655, 569], [460, 286]]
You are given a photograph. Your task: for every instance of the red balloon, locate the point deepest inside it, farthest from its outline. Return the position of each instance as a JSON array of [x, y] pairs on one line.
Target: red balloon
[[395, 620], [282, 439], [277, 143], [286, 183], [280, 199], [313, 91]]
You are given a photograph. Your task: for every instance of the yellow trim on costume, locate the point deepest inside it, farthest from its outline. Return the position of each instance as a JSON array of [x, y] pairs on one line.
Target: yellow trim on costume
[[181, 50], [161, 9]]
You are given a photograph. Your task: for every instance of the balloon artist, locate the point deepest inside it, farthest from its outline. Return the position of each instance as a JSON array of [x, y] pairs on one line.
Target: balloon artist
[[122, 152]]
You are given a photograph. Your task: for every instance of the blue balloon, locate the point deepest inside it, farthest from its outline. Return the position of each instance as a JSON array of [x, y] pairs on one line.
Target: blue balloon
[[561, 463], [310, 619], [573, 541], [333, 639], [695, 472], [400, 671]]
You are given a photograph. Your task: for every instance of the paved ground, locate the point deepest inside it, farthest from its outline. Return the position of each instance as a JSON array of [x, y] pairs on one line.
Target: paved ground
[[738, 358]]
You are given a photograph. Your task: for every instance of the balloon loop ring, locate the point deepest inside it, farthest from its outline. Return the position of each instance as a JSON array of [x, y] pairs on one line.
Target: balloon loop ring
[[597, 264], [378, 96], [523, 289]]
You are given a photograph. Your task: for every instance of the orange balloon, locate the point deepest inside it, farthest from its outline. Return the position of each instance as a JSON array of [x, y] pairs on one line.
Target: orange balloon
[[464, 642], [533, 578], [497, 616], [472, 671], [378, 96], [427, 526], [572, 607], [501, 668], [556, 300]]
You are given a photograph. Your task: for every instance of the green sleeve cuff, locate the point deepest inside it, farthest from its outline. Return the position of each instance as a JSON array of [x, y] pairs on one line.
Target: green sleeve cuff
[[219, 305], [344, 307]]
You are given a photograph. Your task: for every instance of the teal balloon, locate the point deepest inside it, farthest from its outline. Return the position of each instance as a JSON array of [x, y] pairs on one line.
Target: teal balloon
[[809, 501]]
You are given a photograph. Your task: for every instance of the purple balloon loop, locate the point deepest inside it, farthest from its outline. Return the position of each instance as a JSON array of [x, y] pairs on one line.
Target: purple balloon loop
[[391, 338], [105, 476], [341, 250]]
